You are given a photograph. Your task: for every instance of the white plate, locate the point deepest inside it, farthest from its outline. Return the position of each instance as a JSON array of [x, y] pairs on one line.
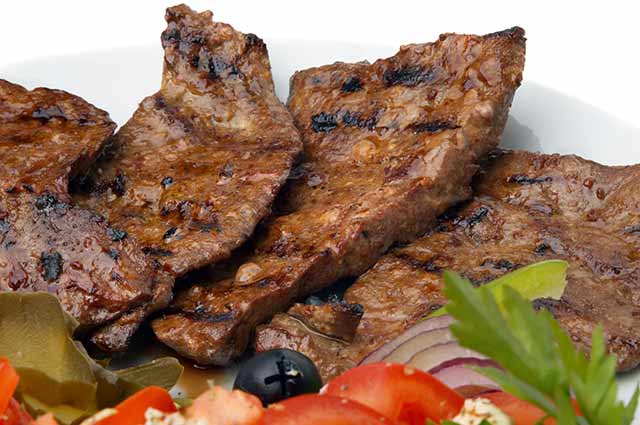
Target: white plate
[[541, 119]]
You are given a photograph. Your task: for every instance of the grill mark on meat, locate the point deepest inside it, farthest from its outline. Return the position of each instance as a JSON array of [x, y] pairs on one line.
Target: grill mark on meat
[[324, 122], [51, 265], [409, 76], [352, 119], [170, 233], [47, 202], [433, 126], [522, 179], [635, 228], [342, 211], [502, 264], [157, 252], [48, 113], [351, 85], [116, 234], [118, 185], [167, 181], [474, 218], [541, 249]]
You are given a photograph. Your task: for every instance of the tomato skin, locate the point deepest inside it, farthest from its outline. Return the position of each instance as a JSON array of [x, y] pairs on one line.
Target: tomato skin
[[315, 409], [219, 406], [402, 393], [8, 383], [520, 411], [15, 415], [132, 410]]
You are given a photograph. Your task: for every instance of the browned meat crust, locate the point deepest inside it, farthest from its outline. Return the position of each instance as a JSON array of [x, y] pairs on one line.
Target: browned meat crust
[[388, 147], [41, 125], [200, 162], [530, 207], [47, 244]]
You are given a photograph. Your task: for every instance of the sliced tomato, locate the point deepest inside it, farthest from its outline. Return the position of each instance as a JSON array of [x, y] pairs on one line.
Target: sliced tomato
[[314, 409], [402, 393], [219, 406], [8, 383], [520, 411], [14, 414], [132, 410]]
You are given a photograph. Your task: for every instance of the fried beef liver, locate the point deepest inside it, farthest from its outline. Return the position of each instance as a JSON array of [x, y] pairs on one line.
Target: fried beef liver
[[388, 147], [46, 136], [47, 244], [200, 162], [530, 207]]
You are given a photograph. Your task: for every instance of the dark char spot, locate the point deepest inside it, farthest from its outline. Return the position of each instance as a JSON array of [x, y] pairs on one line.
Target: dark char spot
[[116, 234], [323, 122], [119, 183], [522, 179], [51, 266], [352, 84], [4, 226], [351, 119], [46, 202], [541, 249], [227, 170], [172, 231], [167, 181], [632, 229], [28, 188], [201, 316], [113, 253], [47, 113], [253, 40], [500, 264], [157, 252], [476, 217], [170, 35], [433, 126], [408, 76]]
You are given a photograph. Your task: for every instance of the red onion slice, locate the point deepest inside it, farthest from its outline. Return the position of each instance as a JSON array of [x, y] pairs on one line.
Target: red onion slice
[[379, 355]]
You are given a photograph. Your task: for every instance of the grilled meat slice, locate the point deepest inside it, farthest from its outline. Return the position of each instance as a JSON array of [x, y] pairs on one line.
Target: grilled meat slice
[[383, 158], [200, 162], [49, 245], [530, 207], [97, 271], [41, 125]]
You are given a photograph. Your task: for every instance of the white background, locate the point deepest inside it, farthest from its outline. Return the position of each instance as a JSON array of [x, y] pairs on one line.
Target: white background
[[590, 50]]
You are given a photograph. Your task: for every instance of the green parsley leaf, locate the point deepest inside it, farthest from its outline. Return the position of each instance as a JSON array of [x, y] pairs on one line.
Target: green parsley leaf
[[540, 363]]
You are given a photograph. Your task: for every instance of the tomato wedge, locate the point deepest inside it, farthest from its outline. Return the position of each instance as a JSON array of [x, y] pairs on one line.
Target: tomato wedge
[[314, 409], [14, 414], [520, 411], [402, 393], [132, 410], [8, 383], [47, 419], [219, 406]]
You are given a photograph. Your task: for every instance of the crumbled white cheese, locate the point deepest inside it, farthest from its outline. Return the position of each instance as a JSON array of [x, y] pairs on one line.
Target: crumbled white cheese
[[156, 417], [477, 410], [99, 416]]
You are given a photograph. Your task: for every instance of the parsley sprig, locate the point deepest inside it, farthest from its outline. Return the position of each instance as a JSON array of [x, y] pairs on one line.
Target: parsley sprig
[[540, 363]]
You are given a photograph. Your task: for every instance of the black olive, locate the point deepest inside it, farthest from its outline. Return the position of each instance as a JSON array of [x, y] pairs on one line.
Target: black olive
[[275, 375]]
